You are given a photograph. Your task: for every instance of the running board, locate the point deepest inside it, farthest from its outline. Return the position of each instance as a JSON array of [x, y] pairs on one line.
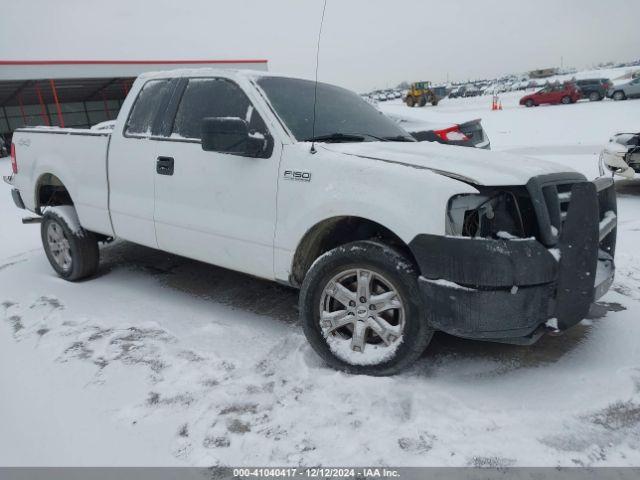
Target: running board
[[29, 220]]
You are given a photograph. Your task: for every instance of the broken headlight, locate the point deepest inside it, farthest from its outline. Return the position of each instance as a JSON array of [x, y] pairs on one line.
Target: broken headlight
[[485, 215]]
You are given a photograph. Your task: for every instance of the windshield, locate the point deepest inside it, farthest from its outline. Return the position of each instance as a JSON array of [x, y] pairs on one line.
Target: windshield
[[341, 115]]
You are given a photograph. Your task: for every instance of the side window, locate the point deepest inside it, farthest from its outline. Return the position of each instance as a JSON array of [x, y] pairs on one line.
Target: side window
[[213, 97], [145, 108]]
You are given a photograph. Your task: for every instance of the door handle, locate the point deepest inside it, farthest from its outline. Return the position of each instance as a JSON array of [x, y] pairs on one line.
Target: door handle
[[164, 166]]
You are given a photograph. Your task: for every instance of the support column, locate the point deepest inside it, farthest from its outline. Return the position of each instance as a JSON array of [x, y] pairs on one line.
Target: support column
[[55, 99], [24, 117], [86, 114], [106, 106], [43, 109]]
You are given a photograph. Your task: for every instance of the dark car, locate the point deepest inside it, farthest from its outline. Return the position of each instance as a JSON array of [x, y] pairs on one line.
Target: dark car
[[3, 148], [457, 92], [594, 88], [465, 134], [473, 91]]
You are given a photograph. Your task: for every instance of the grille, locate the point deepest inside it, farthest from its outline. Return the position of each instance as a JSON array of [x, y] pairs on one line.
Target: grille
[[557, 199], [551, 198]]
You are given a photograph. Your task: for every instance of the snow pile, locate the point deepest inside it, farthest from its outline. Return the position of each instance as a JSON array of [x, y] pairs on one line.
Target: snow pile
[[69, 215]]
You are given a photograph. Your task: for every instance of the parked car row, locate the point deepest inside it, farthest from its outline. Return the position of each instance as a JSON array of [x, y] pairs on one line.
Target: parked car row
[[383, 95], [594, 89], [465, 91]]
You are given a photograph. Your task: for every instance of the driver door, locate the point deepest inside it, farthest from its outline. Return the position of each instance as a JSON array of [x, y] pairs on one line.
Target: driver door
[[544, 95], [215, 207]]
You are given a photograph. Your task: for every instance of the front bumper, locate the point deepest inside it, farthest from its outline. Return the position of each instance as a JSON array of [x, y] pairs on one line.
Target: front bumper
[[506, 290]]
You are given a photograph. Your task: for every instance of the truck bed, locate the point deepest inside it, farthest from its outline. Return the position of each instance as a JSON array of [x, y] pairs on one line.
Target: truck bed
[[78, 158]]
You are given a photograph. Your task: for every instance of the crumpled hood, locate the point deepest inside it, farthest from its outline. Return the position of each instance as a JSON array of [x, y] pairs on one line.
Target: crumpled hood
[[482, 167]]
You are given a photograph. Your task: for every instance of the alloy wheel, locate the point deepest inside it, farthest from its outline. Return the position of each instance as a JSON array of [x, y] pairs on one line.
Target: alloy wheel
[[362, 316], [59, 246]]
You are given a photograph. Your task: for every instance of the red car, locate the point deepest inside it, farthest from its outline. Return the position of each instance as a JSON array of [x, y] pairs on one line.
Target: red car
[[555, 93]]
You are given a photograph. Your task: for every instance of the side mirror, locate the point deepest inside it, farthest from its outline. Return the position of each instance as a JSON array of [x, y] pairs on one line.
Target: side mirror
[[230, 135]]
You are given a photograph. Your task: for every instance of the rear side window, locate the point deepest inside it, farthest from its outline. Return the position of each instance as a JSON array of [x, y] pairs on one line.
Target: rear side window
[[213, 97], [145, 108]]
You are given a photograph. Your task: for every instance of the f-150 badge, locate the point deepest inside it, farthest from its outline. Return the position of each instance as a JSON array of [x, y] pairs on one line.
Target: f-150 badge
[[297, 175]]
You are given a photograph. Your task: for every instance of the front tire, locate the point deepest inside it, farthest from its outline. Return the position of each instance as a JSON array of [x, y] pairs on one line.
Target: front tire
[[361, 309], [410, 102], [619, 95], [566, 100], [422, 102], [71, 250], [594, 97], [529, 103]]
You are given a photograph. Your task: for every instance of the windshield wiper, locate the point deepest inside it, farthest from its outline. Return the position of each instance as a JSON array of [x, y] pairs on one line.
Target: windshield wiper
[[400, 138], [358, 137], [336, 137], [344, 137]]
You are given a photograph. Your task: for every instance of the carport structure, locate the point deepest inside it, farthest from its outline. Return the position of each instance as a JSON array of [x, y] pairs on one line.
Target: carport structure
[[79, 93]]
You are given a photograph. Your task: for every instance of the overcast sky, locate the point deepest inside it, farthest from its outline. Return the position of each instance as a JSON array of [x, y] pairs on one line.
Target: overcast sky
[[365, 44]]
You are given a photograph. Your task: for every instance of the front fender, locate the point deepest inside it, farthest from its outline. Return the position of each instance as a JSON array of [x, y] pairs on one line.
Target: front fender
[[406, 200]]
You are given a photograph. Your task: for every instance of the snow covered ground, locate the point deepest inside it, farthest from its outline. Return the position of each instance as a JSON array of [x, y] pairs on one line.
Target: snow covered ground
[[163, 361]]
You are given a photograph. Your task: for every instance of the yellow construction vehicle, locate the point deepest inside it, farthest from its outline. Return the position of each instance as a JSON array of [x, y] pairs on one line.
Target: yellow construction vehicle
[[421, 93]]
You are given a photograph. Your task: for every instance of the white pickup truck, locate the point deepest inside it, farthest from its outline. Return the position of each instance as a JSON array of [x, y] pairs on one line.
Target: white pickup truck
[[387, 238]]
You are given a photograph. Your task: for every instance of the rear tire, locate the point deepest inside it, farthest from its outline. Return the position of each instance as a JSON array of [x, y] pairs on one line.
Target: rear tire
[[73, 253], [410, 102], [566, 100], [332, 294], [595, 97], [422, 102]]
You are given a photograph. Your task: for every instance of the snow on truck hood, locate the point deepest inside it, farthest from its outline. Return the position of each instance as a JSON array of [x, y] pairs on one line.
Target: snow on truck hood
[[482, 167]]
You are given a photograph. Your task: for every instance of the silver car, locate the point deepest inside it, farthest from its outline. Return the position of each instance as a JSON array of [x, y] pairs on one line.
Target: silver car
[[625, 90]]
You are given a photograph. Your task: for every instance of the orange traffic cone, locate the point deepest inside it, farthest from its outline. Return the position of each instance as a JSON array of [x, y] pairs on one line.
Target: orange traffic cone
[[493, 104], [500, 105]]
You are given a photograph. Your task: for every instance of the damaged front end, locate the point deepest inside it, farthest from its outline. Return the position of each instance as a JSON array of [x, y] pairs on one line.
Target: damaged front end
[[517, 258]]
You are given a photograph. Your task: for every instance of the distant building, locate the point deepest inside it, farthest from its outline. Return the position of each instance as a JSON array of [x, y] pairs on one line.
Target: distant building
[[78, 93], [543, 73]]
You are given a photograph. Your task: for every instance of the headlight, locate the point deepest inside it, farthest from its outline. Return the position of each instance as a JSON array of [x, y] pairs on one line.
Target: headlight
[[491, 215], [613, 158]]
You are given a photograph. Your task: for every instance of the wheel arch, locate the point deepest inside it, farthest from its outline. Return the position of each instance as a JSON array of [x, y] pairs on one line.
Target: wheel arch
[[339, 230], [50, 190], [619, 90]]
